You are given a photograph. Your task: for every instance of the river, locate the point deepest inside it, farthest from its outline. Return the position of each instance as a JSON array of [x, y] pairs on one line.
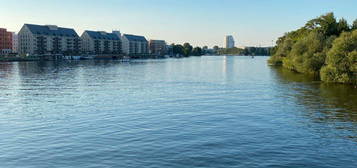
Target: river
[[209, 112]]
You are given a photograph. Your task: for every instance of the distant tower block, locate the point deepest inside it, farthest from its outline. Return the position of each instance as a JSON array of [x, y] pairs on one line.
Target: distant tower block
[[229, 42]]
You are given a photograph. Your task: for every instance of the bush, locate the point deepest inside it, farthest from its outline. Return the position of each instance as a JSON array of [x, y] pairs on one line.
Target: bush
[[341, 62]]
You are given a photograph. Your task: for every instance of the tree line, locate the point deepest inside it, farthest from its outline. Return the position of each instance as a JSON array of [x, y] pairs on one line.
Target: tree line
[[186, 50], [248, 51], [325, 46]]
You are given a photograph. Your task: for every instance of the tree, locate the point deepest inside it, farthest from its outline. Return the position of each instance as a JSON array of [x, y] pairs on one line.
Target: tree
[[323, 46], [197, 51], [354, 25], [177, 49], [343, 26], [216, 48], [187, 49], [341, 62], [325, 24]]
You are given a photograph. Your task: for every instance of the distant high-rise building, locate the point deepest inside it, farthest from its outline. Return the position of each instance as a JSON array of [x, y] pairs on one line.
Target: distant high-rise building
[[229, 42]]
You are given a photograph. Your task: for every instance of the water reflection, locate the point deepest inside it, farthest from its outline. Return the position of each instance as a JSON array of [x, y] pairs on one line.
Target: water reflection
[[206, 111], [333, 104], [6, 70]]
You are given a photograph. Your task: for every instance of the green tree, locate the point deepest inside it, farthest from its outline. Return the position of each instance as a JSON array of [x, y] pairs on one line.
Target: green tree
[[178, 49], [354, 25], [343, 26], [341, 62], [282, 50], [323, 46], [325, 24], [197, 51], [308, 54], [187, 49]]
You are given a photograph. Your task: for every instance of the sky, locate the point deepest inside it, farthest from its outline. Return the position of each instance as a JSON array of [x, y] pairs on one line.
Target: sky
[[199, 22]]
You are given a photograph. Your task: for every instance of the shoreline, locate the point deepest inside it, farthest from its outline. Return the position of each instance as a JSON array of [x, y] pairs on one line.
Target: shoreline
[[81, 57]]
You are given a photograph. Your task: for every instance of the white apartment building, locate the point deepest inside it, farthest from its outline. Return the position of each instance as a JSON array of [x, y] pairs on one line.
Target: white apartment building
[[15, 43], [134, 45], [48, 40], [100, 42], [229, 42]]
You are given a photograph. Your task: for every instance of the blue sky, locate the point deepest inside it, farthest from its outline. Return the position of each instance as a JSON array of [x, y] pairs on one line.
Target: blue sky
[[200, 22]]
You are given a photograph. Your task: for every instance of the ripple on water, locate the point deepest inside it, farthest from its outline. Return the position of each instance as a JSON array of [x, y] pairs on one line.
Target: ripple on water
[[192, 112]]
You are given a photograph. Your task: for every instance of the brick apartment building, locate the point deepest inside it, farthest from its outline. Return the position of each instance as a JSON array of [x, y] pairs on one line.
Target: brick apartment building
[[5, 41]]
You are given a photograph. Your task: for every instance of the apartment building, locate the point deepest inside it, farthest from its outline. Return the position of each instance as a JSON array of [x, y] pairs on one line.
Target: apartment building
[[134, 45], [158, 47], [48, 40], [15, 42], [101, 42], [5, 41]]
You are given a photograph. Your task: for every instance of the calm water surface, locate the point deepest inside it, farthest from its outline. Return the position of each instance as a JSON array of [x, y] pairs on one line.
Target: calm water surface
[[209, 112]]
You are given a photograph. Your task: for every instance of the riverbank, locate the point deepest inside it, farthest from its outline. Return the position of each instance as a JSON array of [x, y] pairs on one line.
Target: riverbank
[[18, 59], [83, 57]]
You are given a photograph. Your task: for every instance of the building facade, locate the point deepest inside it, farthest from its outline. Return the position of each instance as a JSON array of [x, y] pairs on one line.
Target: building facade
[[100, 42], [229, 42], [15, 42], [158, 47], [5, 41], [48, 40], [134, 45]]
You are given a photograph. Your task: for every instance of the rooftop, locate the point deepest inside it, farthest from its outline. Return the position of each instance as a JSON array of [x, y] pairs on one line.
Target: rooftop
[[102, 35], [51, 30], [134, 37]]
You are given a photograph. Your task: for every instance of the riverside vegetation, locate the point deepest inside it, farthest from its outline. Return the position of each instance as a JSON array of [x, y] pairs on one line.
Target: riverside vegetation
[[324, 47], [248, 51]]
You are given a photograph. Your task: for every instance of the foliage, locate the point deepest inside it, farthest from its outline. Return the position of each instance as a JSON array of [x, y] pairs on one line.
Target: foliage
[[197, 51], [186, 50], [320, 47], [177, 49], [341, 62], [246, 51], [354, 25], [231, 51]]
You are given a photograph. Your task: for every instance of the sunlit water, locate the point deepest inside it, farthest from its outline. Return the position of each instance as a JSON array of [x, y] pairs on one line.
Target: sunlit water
[[209, 112]]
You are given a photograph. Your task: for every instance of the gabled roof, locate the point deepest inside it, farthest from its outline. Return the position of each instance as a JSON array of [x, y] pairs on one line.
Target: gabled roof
[[102, 35], [47, 30], [134, 37]]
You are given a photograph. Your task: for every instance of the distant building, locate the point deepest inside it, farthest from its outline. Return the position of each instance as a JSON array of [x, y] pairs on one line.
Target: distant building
[[134, 45], [15, 42], [158, 47], [100, 42], [229, 42], [48, 40], [5, 41]]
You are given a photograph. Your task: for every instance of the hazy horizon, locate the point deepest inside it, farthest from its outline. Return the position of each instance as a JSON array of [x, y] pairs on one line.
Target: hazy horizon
[[200, 22]]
